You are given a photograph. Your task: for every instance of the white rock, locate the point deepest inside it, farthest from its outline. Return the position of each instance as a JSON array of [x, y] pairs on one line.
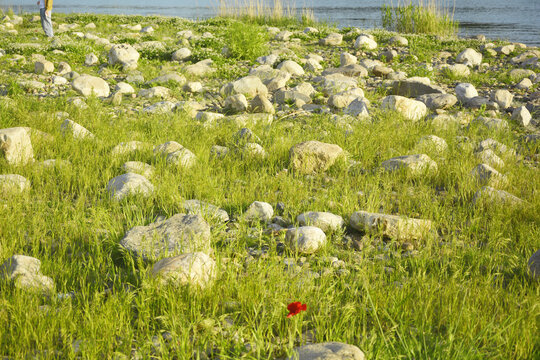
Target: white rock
[[249, 86], [129, 184], [312, 156], [323, 220], [490, 196], [305, 239], [205, 210], [417, 164], [396, 227], [433, 143], [521, 115], [327, 351], [187, 269], [182, 54], [411, 109], [16, 146], [364, 42], [43, 67], [465, 92], [469, 57], [291, 67], [13, 183], [128, 147], [156, 91], [124, 88], [87, 85], [76, 130], [502, 97], [138, 167], [125, 55]]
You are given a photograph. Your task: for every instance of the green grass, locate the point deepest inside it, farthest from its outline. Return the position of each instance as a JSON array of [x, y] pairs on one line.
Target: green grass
[[464, 294], [431, 18]]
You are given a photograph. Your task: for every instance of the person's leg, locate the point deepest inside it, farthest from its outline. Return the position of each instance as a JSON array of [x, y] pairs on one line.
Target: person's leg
[[46, 23]]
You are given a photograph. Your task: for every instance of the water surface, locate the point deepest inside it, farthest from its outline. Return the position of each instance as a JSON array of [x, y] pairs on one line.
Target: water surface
[[514, 20]]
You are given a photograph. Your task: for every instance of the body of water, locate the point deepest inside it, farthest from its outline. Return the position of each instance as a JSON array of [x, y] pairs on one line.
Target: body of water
[[513, 20]]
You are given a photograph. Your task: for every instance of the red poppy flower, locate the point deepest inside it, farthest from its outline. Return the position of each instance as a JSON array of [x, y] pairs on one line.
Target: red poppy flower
[[295, 308]]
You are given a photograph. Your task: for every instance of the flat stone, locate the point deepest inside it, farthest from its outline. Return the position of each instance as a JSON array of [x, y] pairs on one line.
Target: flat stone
[[343, 99], [129, 184], [170, 77], [417, 164], [490, 123], [197, 207], [323, 220], [125, 148], [196, 269], [16, 146], [312, 156], [414, 88], [305, 239], [156, 91], [490, 196], [438, 101], [332, 39], [396, 227], [87, 85], [327, 351], [485, 174], [177, 235]]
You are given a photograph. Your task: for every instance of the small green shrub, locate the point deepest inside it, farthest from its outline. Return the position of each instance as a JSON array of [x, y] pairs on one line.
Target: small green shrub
[[246, 41], [431, 18]]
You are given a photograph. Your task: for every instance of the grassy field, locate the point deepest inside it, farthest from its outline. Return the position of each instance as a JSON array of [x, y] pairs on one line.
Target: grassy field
[[464, 292]]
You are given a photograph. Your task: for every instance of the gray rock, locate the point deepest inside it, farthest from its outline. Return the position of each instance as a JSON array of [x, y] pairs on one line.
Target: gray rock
[[180, 55], [259, 211], [177, 235], [24, 272], [490, 196], [396, 227], [249, 86], [125, 55], [91, 59], [129, 184], [262, 104], [253, 150], [312, 156], [76, 130], [183, 158], [87, 85], [438, 101], [332, 39], [284, 96], [417, 164], [43, 67], [534, 265], [524, 84], [411, 109], [161, 107], [335, 83], [444, 121], [398, 40], [244, 136], [129, 147], [323, 220], [432, 143], [458, 70], [352, 70], [415, 87], [358, 108], [283, 35], [169, 77], [196, 269], [269, 60], [63, 68], [485, 174], [347, 59], [236, 103], [305, 239], [382, 71], [193, 87], [496, 146], [490, 123], [465, 92], [502, 97], [327, 351], [16, 146], [520, 114], [518, 74], [312, 65], [219, 151], [200, 69], [124, 88], [206, 210], [13, 183], [469, 57], [153, 92], [138, 167], [489, 157]]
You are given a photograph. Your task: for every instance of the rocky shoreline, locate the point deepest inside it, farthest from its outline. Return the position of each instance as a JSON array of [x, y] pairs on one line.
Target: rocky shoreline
[[468, 98]]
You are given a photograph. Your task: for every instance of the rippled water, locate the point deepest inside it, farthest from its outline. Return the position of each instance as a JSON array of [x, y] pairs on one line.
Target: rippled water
[[514, 20]]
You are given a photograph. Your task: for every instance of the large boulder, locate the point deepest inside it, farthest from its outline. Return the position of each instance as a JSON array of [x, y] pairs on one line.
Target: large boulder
[[305, 239], [87, 85], [311, 156], [15, 146], [187, 269], [177, 235], [396, 227], [125, 55], [411, 109], [327, 351], [129, 184]]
